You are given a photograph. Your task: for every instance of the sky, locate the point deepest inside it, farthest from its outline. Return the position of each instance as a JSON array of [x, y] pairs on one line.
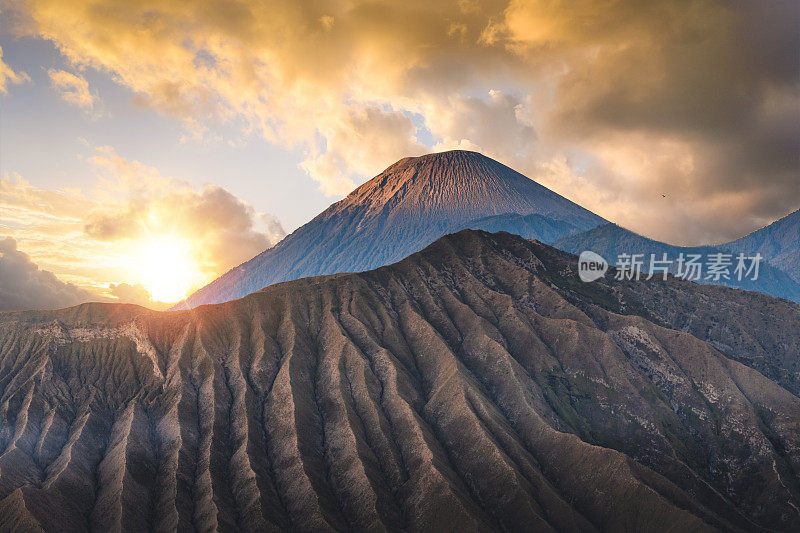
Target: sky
[[198, 133]]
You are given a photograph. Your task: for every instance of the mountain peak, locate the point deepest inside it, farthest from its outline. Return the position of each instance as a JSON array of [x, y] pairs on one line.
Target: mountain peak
[[433, 170], [453, 163], [460, 183], [398, 212], [465, 157]]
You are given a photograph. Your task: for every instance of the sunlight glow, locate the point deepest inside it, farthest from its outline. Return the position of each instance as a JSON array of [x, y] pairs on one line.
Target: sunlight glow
[[167, 268]]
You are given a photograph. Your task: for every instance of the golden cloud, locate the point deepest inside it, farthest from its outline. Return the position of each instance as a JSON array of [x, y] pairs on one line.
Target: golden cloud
[[9, 76], [106, 242], [72, 88], [540, 84]]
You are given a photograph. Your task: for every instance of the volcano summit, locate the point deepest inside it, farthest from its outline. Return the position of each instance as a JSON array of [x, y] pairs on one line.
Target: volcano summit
[[403, 209]]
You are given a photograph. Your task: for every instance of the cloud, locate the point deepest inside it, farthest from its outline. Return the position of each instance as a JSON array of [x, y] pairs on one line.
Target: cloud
[[48, 224], [357, 144], [298, 76], [490, 123], [136, 294], [224, 230], [697, 99], [72, 88], [9, 76], [130, 293], [98, 239], [689, 99], [24, 286]]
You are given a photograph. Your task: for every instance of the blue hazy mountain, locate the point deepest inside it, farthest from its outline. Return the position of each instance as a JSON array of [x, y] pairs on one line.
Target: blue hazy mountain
[[780, 242], [610, 241]]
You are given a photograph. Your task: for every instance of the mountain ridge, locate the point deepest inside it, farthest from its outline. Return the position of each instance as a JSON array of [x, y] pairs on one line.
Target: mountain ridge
[[610, 240], [779, 241]]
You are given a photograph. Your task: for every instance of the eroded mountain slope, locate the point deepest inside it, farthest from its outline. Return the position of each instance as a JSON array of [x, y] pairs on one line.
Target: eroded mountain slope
[[476, 385]]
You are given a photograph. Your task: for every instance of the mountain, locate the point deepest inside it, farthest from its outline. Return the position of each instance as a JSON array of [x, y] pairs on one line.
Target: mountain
[[780, 242], [610, 240], [477, 385], [534, 226], [405, 208]]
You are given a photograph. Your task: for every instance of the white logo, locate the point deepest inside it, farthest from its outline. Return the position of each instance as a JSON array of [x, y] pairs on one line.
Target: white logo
[[591, 266]]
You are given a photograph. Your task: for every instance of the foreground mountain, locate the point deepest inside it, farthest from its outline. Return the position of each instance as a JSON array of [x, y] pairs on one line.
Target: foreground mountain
[[477, 385], [780, 242], [610, 241], [405, 208]]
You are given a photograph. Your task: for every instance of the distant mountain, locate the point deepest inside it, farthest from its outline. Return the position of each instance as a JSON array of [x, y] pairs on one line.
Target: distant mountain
[[780, 242], [475, 386], [610, 241], [406, 207]]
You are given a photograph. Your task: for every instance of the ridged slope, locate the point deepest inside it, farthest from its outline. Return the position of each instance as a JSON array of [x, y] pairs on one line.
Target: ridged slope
[[474, 386], [402, 210]]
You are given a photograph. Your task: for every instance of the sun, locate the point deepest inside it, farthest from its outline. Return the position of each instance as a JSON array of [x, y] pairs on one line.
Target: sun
[[167, 268]]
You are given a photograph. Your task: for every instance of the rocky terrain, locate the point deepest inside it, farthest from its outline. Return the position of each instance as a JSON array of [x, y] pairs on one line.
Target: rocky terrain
[[405, 208], [477, 385]]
